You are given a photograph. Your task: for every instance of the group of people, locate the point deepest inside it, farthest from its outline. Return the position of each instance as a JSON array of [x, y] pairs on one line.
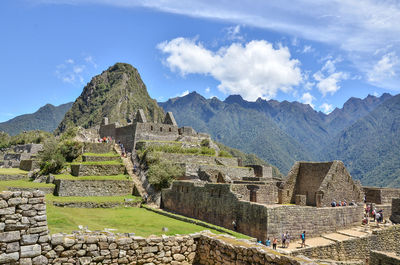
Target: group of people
[[123, 153], [105, 140], [285, 240], [341, 203], [372, 212]]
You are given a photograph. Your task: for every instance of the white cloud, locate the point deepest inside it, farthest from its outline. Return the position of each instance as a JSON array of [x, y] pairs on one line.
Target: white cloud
[[307, 98], [73, 72], [384, 68], [255, 69], [328, 79], [184, 93], [359, 28], [233, 33], [326, 108], [309, 85], [307, 49], [207, 90]]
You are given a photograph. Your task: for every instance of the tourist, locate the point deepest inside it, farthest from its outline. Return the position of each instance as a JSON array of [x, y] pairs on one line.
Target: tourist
[[303, 239], [374, 214], [283, 240], [287, 239], [365, 220], [274, 243], [333, 204], [378, 217], [268, 242], [234, 225]]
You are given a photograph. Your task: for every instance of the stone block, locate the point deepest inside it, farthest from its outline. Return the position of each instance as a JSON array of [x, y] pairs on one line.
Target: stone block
[[301, 200], [150, 249], [97, 170], [9, 257], [30, 251], [10, 236], [29, 239]]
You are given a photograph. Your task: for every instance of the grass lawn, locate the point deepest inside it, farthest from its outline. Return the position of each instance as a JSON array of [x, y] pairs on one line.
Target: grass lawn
[[112, 162], [136, 220], [110, 154], [98, 199], [22, 183], [12, 171], [70, 177]]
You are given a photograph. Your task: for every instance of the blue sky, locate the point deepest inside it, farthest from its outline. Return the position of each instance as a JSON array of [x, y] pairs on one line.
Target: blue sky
[[318, 54]]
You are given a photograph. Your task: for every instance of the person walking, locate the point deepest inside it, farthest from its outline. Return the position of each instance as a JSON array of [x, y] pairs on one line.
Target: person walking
[[303, 239], [283, 240], [287, 239], [274, 242]]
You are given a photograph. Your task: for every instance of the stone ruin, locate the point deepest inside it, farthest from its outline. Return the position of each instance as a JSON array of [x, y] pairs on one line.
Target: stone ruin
[[21, 156]]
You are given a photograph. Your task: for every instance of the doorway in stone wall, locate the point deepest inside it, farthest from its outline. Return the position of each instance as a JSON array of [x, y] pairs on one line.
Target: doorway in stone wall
[[253, 196]]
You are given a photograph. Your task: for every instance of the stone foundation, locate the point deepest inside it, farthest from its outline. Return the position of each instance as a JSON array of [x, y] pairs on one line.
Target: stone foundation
[[29, 165], [83, 188], [96, 204], [12, 177], [97, 170], [217, 204], [395, 217], [86, 158], [384, 258], [98, 148], [23, 228]]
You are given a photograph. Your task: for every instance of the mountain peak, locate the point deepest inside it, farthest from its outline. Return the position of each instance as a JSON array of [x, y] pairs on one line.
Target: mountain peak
[[234, 99], [116, 93]]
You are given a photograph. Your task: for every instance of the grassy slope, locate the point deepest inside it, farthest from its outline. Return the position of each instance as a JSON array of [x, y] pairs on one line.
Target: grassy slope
[[23, 183], [97, 199], [12, 171], [70, 177], [136, 220]]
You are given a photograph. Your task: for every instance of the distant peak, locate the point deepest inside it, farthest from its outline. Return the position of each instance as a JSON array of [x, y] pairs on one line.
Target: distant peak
[[234, 99]]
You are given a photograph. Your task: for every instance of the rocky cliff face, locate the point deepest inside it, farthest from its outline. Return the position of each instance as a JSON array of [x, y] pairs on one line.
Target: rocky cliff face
[[116, 93]]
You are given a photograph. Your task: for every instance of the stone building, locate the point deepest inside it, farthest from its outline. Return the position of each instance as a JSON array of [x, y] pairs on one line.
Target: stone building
[[318, 184], [143, 130]]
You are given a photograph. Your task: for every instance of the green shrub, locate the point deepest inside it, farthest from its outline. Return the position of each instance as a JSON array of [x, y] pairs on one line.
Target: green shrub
[[69, 134], [224, 153], [205, 143], [51, 159], [70, 149], [4, 140], [162, 173], [28, 137]]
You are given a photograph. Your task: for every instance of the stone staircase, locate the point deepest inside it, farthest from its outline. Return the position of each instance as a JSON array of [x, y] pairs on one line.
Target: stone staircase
[[139, 189]]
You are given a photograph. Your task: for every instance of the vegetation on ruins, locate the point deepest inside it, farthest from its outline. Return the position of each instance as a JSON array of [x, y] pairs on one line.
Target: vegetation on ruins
[[160, 172], [35, 137], [51, 158], [114, 177], [178, 149]]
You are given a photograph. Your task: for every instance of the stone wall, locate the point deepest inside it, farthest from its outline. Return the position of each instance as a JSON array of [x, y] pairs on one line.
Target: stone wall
[[201, 159], [93, 187], [321, 183], [210, 173], [12, 177], [356, 248], [267, 194], [86, 158], [217, 204], [383, 258], [29, 164], [380, 195], [23, 228], [97, 170], [395, 216], [216, 250], [98, 148]]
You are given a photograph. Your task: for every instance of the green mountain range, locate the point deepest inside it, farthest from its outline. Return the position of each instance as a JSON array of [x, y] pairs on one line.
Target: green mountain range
[[46, 118], [284, 132], [116, 93]]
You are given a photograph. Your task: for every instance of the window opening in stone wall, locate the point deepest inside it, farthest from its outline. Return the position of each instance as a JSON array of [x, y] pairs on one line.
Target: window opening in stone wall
[[288, 193], [170, 130], [219, 194], [160, 129], [151, 128], [187, 189]]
